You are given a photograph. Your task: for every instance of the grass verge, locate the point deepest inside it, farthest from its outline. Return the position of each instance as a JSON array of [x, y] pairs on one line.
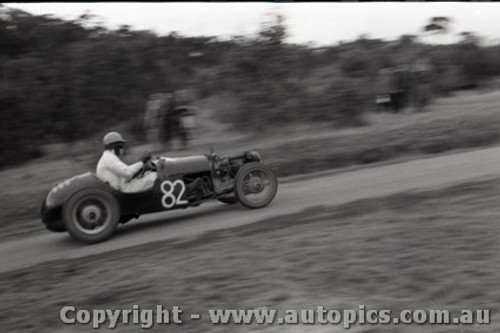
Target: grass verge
[[460, 122]]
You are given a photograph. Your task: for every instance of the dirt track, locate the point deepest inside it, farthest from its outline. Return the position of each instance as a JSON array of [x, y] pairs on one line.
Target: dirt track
[[424, 249], [292, 197]]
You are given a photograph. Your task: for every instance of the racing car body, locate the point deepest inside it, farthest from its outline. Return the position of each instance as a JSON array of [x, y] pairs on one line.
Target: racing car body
[[90, 210]]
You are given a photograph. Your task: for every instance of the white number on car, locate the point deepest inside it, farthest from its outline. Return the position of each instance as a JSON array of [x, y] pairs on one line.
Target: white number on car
[[167, 188]]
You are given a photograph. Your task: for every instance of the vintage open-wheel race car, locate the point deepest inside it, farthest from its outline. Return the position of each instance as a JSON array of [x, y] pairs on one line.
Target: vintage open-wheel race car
[[90, 210]]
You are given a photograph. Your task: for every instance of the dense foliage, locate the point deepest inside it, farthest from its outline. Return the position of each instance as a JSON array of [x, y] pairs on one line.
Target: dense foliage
[[63, 80]]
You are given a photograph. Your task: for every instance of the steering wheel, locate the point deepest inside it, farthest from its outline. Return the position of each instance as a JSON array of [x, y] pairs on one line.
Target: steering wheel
[[148, 166]]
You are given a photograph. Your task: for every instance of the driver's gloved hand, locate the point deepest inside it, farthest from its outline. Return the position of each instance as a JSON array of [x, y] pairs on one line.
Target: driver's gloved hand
[[146, 156]]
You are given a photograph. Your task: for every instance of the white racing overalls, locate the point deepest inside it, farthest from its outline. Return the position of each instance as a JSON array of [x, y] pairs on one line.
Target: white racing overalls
[[111, 170]]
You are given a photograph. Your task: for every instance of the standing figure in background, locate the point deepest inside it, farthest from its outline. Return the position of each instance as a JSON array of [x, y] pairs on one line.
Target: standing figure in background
[[154, 119], [183, 120], [421, 92], [178, 120]]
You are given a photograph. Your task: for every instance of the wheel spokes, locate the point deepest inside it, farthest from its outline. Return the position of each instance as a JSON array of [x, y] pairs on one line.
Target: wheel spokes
[[91, 216]]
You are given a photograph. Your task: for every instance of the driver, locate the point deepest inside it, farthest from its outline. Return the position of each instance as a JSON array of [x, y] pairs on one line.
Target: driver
[[111, 170]]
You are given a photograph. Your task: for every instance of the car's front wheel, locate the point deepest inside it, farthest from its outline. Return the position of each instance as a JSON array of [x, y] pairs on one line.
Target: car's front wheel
[[91, 215], [255, 185]]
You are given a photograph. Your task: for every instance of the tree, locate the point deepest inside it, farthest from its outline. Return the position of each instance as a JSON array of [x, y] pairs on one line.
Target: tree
[[469, 38], [407, 40], [470, 58], [438, 25], [273, 31]]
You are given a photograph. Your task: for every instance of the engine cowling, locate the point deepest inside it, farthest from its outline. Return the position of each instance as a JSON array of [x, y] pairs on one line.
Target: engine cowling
[[185, 165]]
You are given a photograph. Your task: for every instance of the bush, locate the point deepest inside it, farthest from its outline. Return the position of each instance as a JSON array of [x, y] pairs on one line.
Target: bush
[[356, 63], [343, 103]]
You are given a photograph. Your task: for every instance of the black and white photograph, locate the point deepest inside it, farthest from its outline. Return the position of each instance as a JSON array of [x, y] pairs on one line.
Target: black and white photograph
[[281, 167]]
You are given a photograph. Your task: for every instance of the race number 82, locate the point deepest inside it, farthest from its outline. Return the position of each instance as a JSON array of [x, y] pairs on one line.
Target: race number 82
[[167, 188]]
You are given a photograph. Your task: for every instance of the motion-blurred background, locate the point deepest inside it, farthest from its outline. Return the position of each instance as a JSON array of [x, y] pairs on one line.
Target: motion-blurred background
[[69, 80]]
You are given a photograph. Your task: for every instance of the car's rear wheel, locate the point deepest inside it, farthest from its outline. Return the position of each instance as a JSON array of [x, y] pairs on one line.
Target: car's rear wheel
[[255, 185], [91, 215]]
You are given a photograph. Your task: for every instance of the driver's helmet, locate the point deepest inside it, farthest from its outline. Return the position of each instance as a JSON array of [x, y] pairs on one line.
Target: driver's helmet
[[112, 138]]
